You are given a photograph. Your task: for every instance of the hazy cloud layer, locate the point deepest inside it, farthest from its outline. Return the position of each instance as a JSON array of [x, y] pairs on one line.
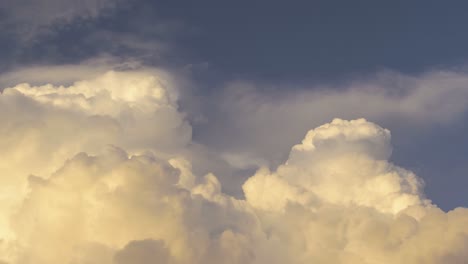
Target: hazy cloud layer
[[102, 171], [267, 121]]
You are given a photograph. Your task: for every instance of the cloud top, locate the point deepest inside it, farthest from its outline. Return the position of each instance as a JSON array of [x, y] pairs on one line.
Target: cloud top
[[342, 162]]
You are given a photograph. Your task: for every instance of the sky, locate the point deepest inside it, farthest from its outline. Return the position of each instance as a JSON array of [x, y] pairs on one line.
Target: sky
[[241, 132]]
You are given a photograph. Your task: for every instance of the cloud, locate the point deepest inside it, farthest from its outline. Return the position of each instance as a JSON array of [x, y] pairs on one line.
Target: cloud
[[31, 16], [104, 171], [46, 125], [62, 74], [49, 32], [264, 122], [319, 169], [113, 200], [142, 252]]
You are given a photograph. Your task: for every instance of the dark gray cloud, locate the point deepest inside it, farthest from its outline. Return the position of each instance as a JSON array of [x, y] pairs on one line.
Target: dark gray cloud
[[30, 17], [319, 41], [52, 32]]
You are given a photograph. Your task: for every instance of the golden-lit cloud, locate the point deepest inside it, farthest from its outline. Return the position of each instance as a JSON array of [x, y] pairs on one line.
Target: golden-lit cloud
[[98, 173]]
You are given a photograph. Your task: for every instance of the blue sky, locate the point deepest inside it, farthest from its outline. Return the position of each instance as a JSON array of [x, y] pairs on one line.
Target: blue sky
[[277, 50]]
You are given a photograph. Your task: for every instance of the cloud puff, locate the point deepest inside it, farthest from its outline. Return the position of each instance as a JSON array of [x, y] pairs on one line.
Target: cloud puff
[[43, 126], [337, 199], [115, 207], [343, 162], [98, 172]]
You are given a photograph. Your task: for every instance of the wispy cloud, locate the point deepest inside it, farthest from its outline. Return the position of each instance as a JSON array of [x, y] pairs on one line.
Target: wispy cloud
[[30, 17], [267, 120]]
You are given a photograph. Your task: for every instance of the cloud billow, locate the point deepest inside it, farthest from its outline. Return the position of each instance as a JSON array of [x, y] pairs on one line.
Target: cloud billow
[[101, 172]]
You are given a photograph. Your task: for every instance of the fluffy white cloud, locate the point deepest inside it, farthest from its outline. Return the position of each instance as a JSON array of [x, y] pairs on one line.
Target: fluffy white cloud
[[337, 199], [113, 207], [43, 126], [344, 163], [101, 172]]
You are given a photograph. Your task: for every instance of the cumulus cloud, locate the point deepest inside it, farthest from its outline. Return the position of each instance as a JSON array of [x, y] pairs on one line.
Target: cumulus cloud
[[319, 169], [42, 126], [101, 171]]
